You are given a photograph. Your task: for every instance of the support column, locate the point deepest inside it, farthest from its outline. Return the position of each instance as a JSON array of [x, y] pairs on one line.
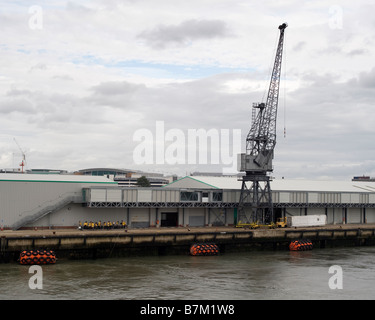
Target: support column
[[209, 217], [157, 218], [183, 217]]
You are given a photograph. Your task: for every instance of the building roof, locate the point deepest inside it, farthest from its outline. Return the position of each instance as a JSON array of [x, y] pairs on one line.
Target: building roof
[[104, 171], [193, 182], [208, 182], [67, 178]]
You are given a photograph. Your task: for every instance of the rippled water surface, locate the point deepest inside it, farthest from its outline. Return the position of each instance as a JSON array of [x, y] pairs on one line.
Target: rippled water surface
[[244, 276]]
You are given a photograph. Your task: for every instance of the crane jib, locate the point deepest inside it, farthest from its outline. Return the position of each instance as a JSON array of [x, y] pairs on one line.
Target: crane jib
[[261, 138]]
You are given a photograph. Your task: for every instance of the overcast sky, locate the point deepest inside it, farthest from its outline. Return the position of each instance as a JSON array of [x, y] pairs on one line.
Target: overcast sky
[[81, 80]]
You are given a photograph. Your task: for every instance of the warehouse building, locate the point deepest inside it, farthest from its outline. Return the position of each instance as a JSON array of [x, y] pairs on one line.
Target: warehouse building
[[60, 201]]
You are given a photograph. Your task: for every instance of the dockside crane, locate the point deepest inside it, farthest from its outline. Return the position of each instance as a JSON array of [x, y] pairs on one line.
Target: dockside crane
[[255, 204], [23, 162]]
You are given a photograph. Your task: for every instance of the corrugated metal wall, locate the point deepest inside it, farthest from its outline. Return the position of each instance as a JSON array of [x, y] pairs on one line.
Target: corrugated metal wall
[[131, 195], [231, 196], [19, 199], [165, 195]]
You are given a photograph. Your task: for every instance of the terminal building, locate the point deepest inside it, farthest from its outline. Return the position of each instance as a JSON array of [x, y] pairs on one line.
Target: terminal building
[[61, 201]]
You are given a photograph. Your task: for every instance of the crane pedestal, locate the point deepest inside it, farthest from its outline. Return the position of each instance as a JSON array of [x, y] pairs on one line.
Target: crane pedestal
[[255, 205]]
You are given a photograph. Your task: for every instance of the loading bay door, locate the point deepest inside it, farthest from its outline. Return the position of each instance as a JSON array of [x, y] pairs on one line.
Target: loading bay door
[[196, 221], [169, 219]]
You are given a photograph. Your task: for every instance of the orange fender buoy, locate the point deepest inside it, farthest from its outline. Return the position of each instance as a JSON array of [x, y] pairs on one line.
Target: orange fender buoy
[[300, 245], [204, 249], [37, 257]]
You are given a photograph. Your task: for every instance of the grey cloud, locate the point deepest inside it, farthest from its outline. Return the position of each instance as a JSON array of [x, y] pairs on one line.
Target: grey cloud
[[187, 31], [367, 79], [329, 123], [41, 109], [339, 50], [299, 46], [357, 52], [63, 77], [118, 94], [14, 92], [331, 49], [16, 105], [116, 88], [38, 66], [78, 8], [200, 103]]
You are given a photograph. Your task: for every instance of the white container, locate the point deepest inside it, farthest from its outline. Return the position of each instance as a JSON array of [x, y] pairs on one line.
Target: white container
[[307, 221]]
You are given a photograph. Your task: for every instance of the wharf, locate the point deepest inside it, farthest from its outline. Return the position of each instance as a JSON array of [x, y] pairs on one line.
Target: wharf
[[91, 244]]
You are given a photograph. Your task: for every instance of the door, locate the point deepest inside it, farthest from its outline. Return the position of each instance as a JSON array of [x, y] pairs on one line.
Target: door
[[196, 221], [169, 219]]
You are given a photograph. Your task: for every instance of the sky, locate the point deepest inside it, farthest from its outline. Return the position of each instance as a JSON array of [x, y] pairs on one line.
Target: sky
[[168, 86]]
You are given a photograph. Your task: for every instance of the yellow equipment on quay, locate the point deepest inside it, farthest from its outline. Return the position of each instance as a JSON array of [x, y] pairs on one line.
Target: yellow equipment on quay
[[255, 225], [281, 222]]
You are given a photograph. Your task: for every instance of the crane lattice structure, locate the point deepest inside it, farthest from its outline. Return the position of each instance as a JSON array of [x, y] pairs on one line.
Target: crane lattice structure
[[23, 162], [255, 203]]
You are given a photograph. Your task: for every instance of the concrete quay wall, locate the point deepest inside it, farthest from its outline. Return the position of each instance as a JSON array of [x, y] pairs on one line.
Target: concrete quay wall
[[76, 244]]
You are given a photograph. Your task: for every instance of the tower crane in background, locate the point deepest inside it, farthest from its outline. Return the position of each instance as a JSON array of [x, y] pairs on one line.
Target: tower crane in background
[[255, 205], [23, 162]]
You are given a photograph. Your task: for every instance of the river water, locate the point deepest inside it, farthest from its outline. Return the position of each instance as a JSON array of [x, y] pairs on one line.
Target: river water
[[230, 276]]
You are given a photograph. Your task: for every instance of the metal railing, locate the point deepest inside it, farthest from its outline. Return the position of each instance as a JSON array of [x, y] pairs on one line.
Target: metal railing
[[45, 208]]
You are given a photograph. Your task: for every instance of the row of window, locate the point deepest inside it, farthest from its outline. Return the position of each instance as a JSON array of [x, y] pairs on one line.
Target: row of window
[[201, 196]]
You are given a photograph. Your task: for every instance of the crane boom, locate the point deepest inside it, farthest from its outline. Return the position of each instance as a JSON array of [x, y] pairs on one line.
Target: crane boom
[[260, 145], [265, 138], [261, 139], [22, 152]]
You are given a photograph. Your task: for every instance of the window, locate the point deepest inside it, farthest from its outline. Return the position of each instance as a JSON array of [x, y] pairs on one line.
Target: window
[[217, 196], [189, 196]]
